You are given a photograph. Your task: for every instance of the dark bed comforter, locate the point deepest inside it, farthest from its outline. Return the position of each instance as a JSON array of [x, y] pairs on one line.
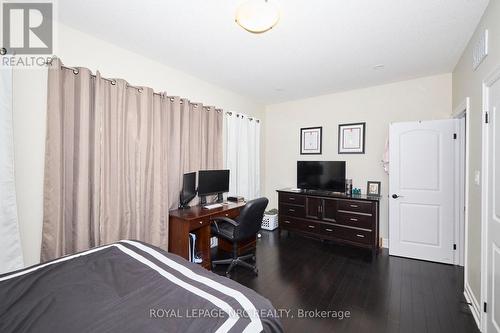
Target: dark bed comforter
[[129, 286]]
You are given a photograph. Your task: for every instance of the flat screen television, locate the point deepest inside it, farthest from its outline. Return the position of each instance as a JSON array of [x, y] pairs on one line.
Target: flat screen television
[[321, 175]]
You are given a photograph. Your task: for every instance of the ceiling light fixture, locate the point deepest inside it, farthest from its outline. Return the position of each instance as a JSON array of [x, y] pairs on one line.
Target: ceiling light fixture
[[257, 16]]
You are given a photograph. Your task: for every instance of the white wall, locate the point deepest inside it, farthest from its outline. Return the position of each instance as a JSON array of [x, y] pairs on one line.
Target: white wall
[[421, 99], [30, 89], [468, 83]]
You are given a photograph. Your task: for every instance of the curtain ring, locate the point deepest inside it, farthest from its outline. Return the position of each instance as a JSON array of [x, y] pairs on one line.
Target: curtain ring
[[76, 71], [113, 82], [140, 90]]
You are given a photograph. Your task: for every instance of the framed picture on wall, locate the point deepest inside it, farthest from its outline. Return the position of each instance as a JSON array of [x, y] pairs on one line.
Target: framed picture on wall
[[373, 188], [352, 138], [310, 140]]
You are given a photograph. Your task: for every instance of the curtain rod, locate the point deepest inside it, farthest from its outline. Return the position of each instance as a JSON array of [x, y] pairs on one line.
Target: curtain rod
[[243, 116], [76, 71]]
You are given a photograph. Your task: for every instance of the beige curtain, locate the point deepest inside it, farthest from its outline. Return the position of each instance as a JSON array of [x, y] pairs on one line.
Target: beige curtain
[[196, 136], [69, 221], [115, 156]]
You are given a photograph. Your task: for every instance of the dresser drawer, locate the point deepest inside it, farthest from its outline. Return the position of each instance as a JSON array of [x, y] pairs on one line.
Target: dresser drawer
[[356, 220], [232, 214], [292, 199], [195, 224], [355, 206], [286, 222], [353, 235], [292, 210], [299, 225]]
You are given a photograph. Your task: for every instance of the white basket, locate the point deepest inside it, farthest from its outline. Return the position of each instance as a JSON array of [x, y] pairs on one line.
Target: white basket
[[270, 222]]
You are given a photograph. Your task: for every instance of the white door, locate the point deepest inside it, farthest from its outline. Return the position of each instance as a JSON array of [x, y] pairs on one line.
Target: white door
[[492, 184], [421, 190]]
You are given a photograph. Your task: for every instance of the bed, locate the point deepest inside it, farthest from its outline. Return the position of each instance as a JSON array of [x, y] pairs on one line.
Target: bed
[[129, 286]]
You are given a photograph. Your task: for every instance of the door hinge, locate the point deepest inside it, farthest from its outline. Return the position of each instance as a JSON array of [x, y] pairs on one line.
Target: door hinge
[[455, 136], [485, 307], [486, 117], [454, 246]]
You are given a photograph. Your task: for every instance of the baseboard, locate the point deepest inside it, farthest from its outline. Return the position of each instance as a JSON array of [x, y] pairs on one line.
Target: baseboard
[[475, 309], [385, 243]]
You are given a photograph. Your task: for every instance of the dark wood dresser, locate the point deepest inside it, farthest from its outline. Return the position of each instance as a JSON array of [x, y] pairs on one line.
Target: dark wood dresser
[[352, 220]]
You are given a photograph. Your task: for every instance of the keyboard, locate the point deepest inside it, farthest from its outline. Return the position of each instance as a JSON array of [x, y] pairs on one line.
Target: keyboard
[[213, 206]]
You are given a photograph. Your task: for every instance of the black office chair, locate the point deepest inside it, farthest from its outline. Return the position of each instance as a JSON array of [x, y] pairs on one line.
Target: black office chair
[[243, 227]]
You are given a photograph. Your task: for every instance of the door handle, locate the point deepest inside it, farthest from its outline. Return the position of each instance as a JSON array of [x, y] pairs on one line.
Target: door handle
[[395, 196]]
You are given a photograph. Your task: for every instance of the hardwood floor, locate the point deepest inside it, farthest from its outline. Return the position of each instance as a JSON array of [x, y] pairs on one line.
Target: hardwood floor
[[382, 294]]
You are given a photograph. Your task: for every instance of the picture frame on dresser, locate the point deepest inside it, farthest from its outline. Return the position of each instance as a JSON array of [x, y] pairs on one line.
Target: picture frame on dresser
[[352, 138], [372, 188], [311, 140]]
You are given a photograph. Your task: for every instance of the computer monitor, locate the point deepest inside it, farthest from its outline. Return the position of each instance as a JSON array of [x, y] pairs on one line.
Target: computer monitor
[[211, 182], [188, 191]]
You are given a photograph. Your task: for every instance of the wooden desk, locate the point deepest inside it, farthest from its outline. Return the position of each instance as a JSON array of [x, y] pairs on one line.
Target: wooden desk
[[196, 220]]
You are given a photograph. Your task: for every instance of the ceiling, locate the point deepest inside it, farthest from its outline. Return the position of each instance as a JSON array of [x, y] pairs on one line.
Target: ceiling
[[318, 47]]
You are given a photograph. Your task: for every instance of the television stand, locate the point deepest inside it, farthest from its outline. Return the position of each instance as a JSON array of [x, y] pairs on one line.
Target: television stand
[[347, 219]]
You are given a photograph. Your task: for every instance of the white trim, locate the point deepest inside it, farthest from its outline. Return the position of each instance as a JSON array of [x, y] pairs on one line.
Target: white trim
[[385, 243], [462, 181], [475, 309], [487, 83]]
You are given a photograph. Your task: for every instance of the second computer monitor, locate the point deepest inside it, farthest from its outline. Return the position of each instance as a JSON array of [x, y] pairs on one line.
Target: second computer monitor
[[188, 191], [211, 182]]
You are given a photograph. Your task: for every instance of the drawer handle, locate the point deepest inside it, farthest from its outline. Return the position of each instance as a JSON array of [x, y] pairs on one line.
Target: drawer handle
[[291, 210], [291, 198], [311, 226], [286, 221], [354, 206], [227, 215], [353, 219], [360, 236], [201, 222], [329, 230]]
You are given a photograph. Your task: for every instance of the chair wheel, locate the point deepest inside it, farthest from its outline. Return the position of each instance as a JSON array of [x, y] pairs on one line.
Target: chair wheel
[[228, 275], [256, 271]]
